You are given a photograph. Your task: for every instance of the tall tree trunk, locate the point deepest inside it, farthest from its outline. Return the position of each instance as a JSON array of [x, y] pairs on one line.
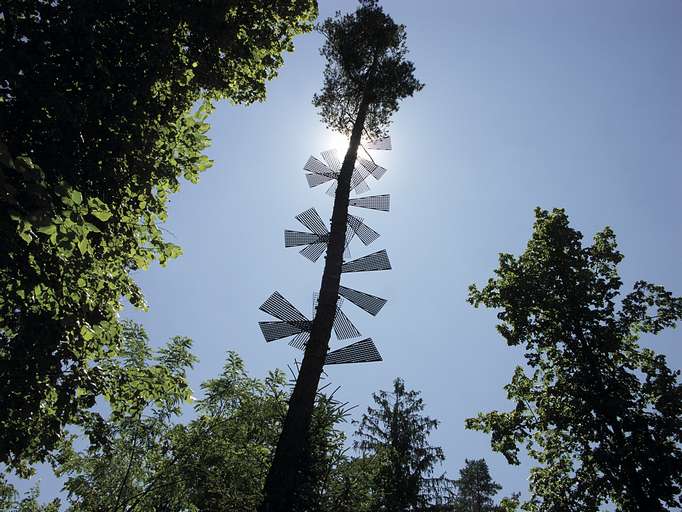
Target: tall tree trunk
[[282, 480]]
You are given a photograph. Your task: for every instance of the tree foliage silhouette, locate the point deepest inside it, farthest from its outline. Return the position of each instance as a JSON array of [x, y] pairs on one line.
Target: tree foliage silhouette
[[395, 433], [475, 488], [97, 130], [366, 74], [121, 461], [600, 414], [217, 461], [10, 500]]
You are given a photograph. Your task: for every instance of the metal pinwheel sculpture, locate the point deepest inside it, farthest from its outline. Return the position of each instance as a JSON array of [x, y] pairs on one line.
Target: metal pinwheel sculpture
[[293, 324]]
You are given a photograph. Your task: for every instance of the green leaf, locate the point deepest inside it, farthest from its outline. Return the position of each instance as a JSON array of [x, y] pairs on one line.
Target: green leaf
[[76, 196], [173, 250], [83, 245], [26, 236], [92, 228], [87, 333], [141, 262], [102, 215], [48, 230]]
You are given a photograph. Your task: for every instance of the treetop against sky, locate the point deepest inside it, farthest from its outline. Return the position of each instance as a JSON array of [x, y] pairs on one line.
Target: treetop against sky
[[553, 105]]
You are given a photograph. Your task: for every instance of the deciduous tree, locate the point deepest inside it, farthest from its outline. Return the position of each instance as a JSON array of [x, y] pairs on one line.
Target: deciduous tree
[[601, 414], [124, 459], [10, 501], [103, 109], [217, 461]]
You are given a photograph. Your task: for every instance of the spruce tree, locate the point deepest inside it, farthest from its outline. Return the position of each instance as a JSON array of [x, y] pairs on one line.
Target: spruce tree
[[475, 488], [396, 434]]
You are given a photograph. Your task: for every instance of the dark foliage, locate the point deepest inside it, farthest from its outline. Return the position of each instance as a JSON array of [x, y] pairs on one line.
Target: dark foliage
[[395, 434], [96, 131], [366, 56], [475, 489], [600, 414]]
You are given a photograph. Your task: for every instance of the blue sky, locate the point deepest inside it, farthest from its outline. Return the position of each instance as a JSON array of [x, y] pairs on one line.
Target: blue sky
[[527, 103]]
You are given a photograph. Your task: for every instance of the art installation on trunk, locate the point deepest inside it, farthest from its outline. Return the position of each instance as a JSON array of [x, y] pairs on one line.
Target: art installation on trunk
[[365, 77], [293, 324]]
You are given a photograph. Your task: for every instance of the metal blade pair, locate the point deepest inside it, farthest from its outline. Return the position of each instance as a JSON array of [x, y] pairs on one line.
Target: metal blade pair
[[294, 323], [317, 240], [381, 203], [319, 172]]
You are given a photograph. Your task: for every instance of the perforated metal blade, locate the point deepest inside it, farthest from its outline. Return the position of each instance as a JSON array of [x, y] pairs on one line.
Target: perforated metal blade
[[315, 179], [375, 261], [375, 170], [316, 167], [312, 220], [300, 340], [296, 238], [277, 330], [363, 351], [381, 203], [331, 156], [370, 303], [279, 307], [313, 251], [383, 143], [331, 191], [366, 234], [343, 327], [350, 233]]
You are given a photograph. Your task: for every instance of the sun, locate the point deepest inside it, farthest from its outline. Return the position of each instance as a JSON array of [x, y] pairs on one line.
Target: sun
[[337, 141]]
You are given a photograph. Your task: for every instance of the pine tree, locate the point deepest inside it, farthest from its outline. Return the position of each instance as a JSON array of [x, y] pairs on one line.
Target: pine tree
[[396, 434], [365, 76]]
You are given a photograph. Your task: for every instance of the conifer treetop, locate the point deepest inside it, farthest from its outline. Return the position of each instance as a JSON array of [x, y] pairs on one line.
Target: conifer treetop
[[366, 57]]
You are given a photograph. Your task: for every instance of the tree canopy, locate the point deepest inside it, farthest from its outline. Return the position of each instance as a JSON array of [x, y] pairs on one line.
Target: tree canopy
[[103, 109], [365, 54], [395, 433], [475, 489], [601, 414], [153, 458], [217, 461]]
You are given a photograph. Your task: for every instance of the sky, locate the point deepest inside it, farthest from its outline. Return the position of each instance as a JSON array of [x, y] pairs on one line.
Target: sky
[[527, 103]]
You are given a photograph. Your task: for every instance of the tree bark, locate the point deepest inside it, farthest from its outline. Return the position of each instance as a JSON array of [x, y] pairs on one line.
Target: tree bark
[[282, 480]]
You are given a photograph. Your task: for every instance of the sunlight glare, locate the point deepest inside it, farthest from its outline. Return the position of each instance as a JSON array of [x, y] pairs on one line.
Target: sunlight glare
[[337, 141]]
